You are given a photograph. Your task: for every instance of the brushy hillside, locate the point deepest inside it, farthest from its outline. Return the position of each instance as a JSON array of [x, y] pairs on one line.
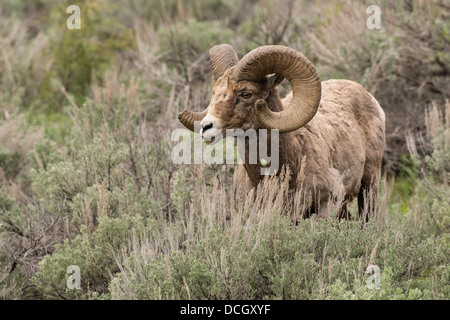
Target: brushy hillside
[[86, 178]]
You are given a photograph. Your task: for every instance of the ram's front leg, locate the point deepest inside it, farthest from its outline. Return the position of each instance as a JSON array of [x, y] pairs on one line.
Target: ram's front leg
[[326, 207], [334, 200], [343, 212], [324, 210]]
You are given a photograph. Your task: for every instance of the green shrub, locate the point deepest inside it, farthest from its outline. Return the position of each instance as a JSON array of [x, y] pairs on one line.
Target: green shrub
[[316, 260], [174, 10], [79, 56], [184, 41], [94, 253], [10, 162]]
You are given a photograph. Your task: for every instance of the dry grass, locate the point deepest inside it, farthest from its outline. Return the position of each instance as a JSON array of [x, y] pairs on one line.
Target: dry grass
[[243, 220]]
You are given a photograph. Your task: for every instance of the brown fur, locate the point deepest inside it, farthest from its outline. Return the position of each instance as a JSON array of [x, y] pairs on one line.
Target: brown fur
[[343, 143]]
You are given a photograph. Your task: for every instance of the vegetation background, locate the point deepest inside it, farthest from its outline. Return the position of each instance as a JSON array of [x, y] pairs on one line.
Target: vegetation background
[[86, 177]]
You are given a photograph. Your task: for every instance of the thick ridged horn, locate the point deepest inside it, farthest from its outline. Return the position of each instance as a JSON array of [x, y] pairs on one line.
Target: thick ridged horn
[[221, 58], [188, 117], [300, 72]]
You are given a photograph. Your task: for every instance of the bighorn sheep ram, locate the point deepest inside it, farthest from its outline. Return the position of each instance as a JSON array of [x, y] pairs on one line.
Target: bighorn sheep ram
[[336, 125]]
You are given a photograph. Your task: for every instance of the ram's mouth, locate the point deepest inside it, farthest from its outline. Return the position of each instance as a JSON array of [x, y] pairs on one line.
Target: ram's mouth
[[212, 135], [211, 140]]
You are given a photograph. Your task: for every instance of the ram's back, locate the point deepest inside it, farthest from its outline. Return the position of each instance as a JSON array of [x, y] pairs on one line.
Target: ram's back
[[345, 138]]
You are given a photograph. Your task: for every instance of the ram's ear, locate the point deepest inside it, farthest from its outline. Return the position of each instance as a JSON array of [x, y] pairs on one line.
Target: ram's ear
[[272, 80]]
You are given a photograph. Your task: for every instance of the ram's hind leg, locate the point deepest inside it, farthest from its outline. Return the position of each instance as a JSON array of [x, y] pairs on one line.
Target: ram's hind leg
[[367, 197]]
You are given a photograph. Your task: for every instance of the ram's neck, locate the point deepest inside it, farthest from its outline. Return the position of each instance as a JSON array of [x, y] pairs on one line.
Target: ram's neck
[[286, 151], [286, 157]]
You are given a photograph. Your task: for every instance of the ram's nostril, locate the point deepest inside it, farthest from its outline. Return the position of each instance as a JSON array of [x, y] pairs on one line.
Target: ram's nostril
[[207, 126]]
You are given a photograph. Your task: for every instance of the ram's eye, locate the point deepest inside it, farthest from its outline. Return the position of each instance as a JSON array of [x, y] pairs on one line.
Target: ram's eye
[[246, 95]]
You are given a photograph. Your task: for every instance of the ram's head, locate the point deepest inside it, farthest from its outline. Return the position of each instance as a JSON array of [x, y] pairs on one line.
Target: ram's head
[[242, 89]]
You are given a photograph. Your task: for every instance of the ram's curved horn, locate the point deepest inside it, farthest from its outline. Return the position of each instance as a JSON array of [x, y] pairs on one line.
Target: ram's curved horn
[[300, 72], [221, 58], [188, 117]]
